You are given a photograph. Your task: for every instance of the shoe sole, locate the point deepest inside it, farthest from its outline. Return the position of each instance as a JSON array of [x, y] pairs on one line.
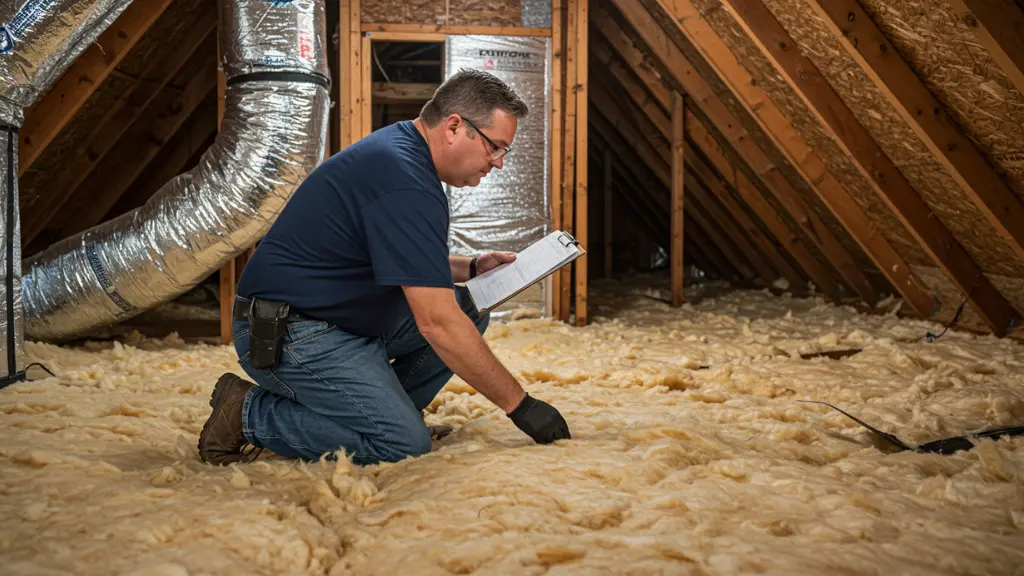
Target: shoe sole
[[215, 402]]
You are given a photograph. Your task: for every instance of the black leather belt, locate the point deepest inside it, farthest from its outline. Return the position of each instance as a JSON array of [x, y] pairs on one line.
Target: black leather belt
[[240, 311]]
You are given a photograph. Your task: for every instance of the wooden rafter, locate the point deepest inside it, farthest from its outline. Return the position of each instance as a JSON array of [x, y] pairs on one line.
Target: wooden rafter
[[648, 181], [121, 116], [999, 26], [133, 152], [805, 160], [638, 128], [609, 212], [889, 183], [646, 102], [184, 149], [927, 116], [48, 116], [733, 244], [741, 148]]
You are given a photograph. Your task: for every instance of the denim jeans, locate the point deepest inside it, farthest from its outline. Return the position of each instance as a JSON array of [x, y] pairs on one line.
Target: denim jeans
[[333, 389]]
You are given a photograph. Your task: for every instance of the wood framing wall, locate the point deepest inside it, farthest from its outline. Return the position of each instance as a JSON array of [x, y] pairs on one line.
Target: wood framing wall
[[850, 149]]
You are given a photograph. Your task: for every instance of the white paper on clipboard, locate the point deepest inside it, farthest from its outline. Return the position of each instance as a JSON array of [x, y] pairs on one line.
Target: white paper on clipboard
[[533, 264]]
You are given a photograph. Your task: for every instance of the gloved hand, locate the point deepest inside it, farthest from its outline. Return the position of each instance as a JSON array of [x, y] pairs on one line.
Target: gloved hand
[[539, 420]]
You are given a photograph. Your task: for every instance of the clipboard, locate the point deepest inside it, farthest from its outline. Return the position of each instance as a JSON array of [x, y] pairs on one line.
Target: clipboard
[[533, 264]]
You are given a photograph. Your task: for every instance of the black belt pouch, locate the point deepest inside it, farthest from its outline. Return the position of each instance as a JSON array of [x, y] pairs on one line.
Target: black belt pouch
[[268, 321]]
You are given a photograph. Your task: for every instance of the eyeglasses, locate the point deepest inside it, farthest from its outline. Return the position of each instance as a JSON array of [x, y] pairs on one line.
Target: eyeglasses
[[499, 151]]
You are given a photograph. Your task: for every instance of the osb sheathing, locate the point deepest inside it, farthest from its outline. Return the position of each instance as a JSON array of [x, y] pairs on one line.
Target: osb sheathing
[[68, 142], [752, 128], [945, 53], [896, 138], [803, 120], [460, 12]]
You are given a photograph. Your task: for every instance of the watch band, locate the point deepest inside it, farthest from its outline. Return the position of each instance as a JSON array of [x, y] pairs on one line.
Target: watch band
[[472, 268]]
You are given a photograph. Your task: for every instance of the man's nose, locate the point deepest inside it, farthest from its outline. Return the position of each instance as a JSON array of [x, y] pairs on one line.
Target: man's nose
[[499, 163]]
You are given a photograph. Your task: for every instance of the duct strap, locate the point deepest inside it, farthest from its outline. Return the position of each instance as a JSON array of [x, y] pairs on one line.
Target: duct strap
[[12, 364], [281, 77]]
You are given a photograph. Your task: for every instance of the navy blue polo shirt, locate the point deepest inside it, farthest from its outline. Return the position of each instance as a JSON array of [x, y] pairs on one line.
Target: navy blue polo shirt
[[367, 221]]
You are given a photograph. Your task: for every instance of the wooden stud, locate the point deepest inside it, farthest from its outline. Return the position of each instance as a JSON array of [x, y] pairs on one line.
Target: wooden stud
[[999, 27], [581, 200], [49, 115], [227, 275], [927, 116], [407, 36], [569, 159], [890, 184], [805, 160], [355, 66], [107, 132], [742, 150], [456, 30], [343, 89], [553, 284], [608, 213], [366, 84], [392, 92], [678, 141]]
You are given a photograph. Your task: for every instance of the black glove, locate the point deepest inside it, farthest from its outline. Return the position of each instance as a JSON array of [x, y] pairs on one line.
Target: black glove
[[539, 420]]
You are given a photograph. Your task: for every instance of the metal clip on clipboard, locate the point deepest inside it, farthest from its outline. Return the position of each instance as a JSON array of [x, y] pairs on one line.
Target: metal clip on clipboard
[[566, 239]]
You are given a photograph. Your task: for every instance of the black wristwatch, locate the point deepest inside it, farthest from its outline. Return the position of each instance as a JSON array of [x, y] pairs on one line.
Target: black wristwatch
[[472, 268]]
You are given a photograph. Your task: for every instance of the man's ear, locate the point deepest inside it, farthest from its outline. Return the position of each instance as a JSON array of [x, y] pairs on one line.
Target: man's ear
[[451, 126]]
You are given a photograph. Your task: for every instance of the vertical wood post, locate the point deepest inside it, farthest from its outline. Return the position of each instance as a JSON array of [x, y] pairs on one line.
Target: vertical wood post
[[678, 171], [609, 221], [582, 35]]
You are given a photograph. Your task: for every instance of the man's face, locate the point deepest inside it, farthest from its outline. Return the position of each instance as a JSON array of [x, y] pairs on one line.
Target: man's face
[[471, 156]]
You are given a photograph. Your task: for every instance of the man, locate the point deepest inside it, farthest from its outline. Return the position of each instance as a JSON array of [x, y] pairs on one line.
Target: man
[[348, 318]]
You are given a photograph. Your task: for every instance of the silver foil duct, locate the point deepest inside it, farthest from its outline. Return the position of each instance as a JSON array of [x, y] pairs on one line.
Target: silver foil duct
[[39, 39], [273, 134], [509, 209]]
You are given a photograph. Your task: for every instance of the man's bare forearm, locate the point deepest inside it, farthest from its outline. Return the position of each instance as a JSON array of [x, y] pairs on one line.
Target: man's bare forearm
[[461, 347]]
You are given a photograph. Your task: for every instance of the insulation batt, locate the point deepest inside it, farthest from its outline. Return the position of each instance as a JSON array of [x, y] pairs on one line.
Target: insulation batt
[[672, 469]]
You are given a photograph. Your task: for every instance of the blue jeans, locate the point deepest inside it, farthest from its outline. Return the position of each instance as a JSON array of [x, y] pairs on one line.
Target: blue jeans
[[332, 389]]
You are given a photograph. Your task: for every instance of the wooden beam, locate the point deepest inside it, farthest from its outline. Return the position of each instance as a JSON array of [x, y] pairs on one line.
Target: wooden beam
[[48, 116], [610, 129], [456, 30], [659, 121], [343, 87], [569, 135], [355, 66], [805, 160], [640, 130], [927, 116], [608, 212], [554, 282], [742, 151], [999, 27], [129, 158], [889, 183], [702, 141], [121, 116], [391, 92], [678, 141], [184, 149], [581, 200], [407, 36]]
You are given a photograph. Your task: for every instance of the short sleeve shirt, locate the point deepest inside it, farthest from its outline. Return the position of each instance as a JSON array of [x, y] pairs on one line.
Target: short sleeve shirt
[[367, 221]]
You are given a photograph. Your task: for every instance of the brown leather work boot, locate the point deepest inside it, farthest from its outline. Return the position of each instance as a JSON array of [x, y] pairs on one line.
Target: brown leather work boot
[[222, 440]]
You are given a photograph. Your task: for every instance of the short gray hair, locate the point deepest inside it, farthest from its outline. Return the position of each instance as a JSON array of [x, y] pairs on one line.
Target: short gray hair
[[473, 94]]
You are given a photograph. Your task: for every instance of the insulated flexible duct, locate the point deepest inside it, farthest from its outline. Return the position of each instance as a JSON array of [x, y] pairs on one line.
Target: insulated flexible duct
[[272, 135], [39, 39]]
